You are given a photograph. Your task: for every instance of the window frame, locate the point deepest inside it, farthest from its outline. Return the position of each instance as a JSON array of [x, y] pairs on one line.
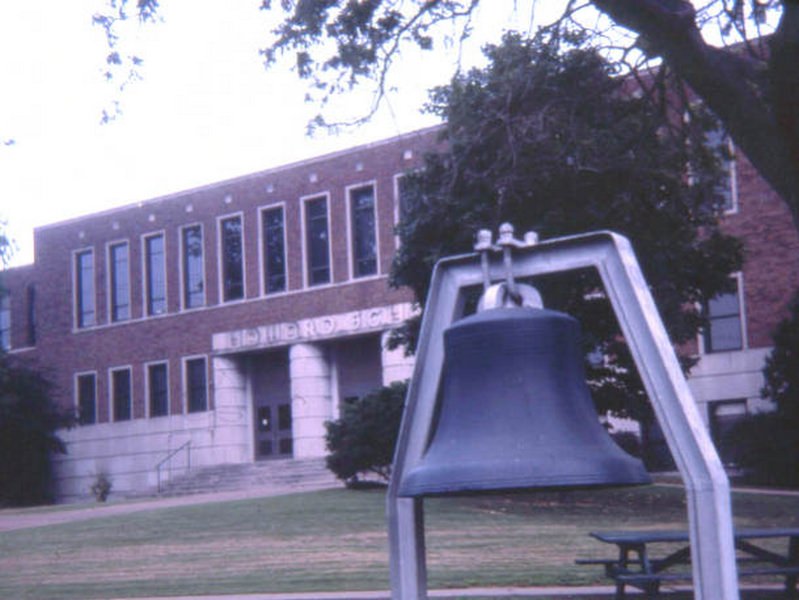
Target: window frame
[[147, 298], [5, 320], [352, 231], [77, 395], [706, 348], [262, 246], [184, 288], [186, 383], [112, 399], [148, 390], [112, 272], [78, 291], [221, 262], [306, 258]]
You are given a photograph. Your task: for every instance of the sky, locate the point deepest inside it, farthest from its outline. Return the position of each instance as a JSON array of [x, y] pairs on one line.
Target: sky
[[205, 110]]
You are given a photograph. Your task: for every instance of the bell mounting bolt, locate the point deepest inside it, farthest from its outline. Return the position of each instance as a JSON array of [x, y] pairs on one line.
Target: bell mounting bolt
[[509, 293]]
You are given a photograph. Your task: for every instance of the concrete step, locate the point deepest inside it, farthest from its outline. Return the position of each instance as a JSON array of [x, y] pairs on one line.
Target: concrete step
[[282, 474]]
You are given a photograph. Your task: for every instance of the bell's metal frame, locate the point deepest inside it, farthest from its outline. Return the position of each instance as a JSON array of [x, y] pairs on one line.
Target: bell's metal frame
[[706, 483]]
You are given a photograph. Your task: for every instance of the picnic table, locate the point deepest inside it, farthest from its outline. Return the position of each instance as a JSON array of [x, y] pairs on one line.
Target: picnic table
[[636, 565]]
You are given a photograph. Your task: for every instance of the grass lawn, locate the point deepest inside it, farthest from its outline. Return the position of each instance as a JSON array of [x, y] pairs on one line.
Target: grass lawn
[[336, 540]]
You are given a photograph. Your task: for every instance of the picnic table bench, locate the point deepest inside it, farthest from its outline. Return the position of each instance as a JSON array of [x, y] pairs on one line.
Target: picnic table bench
[[636, 565]]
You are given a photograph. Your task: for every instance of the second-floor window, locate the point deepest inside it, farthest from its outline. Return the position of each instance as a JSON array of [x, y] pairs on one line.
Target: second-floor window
[[274, 250], [193, 271], [317, 241], [121, 395], [120, 281], [232, 257], [86, 388], [155, 275], [362, 227], [724, 329], [5, 321], [158, 389], [84, 292]]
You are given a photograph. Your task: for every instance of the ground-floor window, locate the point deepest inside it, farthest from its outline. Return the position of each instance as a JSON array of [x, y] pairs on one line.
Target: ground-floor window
[[158, 389], [196, 384], [121, 394], [86, 402], [723, 416]]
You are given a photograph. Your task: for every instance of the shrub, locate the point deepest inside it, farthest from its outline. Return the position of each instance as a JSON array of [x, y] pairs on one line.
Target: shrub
[[101, 488], [362, 440], [767, 449]]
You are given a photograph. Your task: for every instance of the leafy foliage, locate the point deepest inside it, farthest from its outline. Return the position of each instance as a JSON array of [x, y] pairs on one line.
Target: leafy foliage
[[362, 440], [546, 138], [28, 424]]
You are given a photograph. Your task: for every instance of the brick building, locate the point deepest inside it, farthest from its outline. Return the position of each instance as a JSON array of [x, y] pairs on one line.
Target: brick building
[[239, 315]]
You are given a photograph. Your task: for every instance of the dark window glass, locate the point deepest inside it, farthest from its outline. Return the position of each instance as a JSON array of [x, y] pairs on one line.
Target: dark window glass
[[84, 276], [721, 145], [193, 275], [364, 242], [285, 445], [155, 275], [284, 417], [232, 260], [31, 308], [196, 392], [274, 250], [317, 241], [5, 321], [264, 419], [87, 399], [723, 331], [120, 282], [121, 394], [158, 388]]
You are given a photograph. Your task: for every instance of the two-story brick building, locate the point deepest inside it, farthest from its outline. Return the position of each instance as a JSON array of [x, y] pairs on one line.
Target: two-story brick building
[[239, 315]]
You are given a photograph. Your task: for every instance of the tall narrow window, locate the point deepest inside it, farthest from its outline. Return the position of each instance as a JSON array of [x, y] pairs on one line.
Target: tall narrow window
[[274, 250], [193, 272], [725, 189], [30, 304], [364, 239], [724, 329], [86, 388], [5, 321], [232, 259], [158, 389], [317, 241], [120, 282], [155, 274], [196, 385], [84, 293], [121, 394]]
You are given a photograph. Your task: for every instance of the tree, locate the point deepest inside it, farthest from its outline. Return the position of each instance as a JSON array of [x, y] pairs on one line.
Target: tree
[[362, 440], [546, 138]]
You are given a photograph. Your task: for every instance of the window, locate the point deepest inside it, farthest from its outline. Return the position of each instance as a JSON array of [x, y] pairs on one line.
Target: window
[[274, 249], [30, 304], [196, 385], [158, 389], [86, 402], [191, 243], [362, 228], [723, 417], [155, 274], [5, 321], [84, 288], [724, 329], [726, 189], [232, 259], [121, 394], [317, 241], [119, 261]]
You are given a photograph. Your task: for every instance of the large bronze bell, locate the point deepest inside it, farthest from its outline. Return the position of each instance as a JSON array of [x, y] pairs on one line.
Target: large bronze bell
[[515, 411]]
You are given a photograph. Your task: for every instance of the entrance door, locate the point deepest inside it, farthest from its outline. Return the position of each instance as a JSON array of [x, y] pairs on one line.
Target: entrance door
[[271, 398], [273, 435]]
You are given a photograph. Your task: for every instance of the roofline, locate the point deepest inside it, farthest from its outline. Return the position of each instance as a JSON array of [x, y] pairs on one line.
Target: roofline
[[241, 178]]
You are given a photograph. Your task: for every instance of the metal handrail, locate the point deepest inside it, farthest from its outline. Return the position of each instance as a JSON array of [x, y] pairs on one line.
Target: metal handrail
[[187, 447]]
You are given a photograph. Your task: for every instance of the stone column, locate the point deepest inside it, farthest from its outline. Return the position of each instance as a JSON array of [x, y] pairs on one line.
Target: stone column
[[311, 402], [233, 427], [396, 366]]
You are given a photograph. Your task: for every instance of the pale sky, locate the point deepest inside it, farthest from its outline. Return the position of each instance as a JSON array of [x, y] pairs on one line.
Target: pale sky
[[206, 109]]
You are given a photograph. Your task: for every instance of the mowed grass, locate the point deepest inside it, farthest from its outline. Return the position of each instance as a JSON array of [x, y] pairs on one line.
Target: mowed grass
[[336, 540]]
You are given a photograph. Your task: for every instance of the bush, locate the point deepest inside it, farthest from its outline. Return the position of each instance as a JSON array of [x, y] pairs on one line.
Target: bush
[[362, 440], [101, 488], [767, 449]]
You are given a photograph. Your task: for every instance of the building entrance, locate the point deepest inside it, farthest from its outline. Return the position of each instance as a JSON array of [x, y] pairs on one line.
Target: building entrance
[[271, 397]]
